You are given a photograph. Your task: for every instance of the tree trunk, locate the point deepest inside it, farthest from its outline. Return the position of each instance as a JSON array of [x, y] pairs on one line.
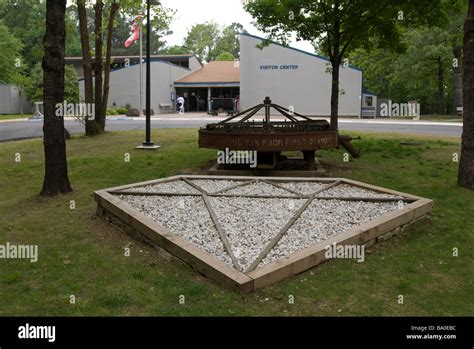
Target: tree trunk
[[335, 93], [108, 57], [56, 177], [21, 100], [466, 165], [91, 125], [457, 79], [100, 119], [440, 93]]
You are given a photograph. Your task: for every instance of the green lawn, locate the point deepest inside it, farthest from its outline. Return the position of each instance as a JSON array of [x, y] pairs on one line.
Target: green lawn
[[447, 118], [15, 116], [82, 255], [439, 118]]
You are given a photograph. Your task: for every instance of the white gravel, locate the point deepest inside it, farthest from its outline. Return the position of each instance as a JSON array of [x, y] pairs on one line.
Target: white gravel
[[304, 188], [344, 190], [250, 224], [212, 186], [178, 186], [186, 216], [259, 188], [324, 219]]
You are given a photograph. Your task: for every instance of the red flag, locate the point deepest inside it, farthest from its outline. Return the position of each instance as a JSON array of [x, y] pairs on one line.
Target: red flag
[[135, 35]]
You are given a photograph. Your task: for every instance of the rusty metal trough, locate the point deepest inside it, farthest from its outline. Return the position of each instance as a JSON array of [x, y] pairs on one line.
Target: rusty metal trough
[[269, 138]]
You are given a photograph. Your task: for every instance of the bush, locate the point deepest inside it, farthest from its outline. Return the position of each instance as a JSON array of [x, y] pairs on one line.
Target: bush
[[122, 111], [112, 112], [34, 87]]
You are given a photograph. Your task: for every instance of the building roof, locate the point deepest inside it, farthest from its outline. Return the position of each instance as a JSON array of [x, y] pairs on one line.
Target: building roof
[[178, 58], [214, 72], [185, 55], [368, 92]]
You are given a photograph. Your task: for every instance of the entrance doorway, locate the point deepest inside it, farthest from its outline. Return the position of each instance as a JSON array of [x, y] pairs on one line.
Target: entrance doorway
[[195, 99]]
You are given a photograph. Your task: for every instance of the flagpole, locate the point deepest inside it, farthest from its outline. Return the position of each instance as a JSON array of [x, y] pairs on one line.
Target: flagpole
[[148, 144], [148, 141], [141, 69]]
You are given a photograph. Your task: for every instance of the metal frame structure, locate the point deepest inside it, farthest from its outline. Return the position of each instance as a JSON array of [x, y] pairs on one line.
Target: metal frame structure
[[296, 132]]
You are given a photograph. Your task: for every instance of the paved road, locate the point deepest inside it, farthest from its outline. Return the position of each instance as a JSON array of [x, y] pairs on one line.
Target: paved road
[[13, 130]]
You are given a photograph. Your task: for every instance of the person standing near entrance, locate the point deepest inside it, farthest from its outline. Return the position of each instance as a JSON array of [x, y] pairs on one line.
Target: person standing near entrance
[[237, 104], [180, 101]]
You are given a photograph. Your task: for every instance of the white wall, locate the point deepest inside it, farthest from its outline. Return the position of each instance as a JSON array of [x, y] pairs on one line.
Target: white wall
[[124, 85], [10, 102], [194, 63], [307, 88]]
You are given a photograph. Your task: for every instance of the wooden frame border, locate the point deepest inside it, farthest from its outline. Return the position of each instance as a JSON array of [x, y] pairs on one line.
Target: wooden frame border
[[273, 272]]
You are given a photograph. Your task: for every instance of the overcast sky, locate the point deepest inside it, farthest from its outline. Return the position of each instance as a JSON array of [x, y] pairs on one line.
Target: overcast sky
[[224, 12]]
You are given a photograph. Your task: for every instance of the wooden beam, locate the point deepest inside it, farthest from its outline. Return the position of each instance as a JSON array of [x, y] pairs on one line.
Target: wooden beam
[[221, 232], [195, 186], [144, 193], [261, 196], [332, 185], [280, 234], [368, 199], [281, 187], [309, 257], [247, 182], [178, 246], [146, 183]]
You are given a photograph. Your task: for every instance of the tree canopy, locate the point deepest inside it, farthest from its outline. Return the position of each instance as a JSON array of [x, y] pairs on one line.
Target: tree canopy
[[207, 40], [202, 39], [425, 68], [338, 27], [225, 56], [10, 64]]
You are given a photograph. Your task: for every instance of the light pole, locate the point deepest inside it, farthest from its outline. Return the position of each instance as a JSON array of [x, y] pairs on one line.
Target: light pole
[[141, 64], [148, 144]]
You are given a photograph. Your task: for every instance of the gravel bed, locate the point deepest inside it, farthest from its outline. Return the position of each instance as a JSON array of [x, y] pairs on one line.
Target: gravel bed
[[324, 219], [251, 223], [304, 188], [345, 190], [212, 185], [259, 188], [178, 186], [186, 216]]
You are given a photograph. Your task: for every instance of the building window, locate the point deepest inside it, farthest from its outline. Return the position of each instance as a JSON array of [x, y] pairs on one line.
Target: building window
[[368, 101]]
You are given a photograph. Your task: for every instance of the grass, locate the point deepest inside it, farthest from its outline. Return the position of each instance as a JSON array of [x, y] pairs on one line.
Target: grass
[[14, 116], [26, 116], [446, 118], [83, 256], [452, 117]]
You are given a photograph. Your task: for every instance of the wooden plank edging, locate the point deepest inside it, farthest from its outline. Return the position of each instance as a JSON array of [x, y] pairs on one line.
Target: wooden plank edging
[[174, 244], [302, 260], [290, 265]]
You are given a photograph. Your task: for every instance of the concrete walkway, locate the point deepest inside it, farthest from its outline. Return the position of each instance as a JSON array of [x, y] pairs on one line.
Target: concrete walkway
[[25, 128]]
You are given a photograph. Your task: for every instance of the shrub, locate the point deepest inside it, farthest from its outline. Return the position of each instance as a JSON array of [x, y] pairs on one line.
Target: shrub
[[122, 111]]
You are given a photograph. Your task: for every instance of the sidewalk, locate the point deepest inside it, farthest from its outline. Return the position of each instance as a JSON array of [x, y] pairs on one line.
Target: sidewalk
[[206, 117]]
